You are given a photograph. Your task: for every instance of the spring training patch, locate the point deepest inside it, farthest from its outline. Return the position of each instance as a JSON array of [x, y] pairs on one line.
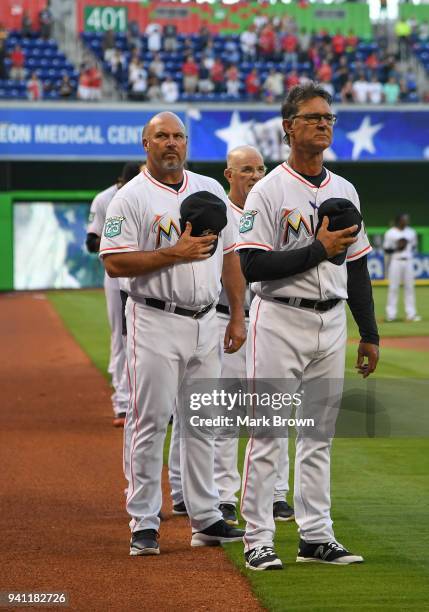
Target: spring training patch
[[113, 226], [247, 220], [91, 217]]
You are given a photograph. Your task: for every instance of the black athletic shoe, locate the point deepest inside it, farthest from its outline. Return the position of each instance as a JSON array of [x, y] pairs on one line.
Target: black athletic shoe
[[283, 512], [180, 509], [144, 542], [229, 513], [326, 552], [218, 533], [262, 558]]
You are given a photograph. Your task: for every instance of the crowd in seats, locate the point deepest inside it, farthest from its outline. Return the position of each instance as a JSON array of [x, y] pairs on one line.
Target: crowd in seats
[[31, 65], [260, 64]]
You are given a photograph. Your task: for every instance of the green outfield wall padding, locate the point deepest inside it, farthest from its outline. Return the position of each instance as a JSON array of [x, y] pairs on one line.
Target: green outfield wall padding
[[419, 12], [6, 242]]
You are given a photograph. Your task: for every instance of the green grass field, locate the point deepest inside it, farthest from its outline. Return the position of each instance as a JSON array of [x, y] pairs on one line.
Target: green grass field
[[379, 488]]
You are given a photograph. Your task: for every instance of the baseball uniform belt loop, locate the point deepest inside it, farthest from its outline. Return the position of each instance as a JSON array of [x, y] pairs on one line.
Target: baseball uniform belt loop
[[171, 307], [225, 310], [320, 305]]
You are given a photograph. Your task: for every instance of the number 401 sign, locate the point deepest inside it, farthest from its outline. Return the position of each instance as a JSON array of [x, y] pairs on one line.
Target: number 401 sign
[[102, 18]]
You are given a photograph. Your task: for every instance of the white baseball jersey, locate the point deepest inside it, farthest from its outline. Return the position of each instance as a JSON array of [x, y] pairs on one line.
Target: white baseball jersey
[[236, 214], [145, 216], [393, 235], [97, 213], [281, 213]]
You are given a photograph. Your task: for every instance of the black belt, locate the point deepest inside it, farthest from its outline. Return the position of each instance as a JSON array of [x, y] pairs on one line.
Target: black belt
[[313, 304], [402, 258], [195, 314], [225, 310]]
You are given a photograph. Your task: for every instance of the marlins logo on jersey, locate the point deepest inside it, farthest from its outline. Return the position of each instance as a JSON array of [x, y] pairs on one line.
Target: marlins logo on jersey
[[164, 227], [292, 223]]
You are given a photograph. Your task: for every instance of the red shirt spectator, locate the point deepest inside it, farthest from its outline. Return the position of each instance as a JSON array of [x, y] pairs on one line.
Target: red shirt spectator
[[190, 67], [253, 84], [351, 41], [17, 57], [267, 41], [217, 72], [338, 44], [372, 61], [324, 73], [292, 79], [289, 43]]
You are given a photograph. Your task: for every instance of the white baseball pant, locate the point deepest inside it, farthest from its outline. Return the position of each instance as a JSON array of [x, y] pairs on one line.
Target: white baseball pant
[[401, 272], [296, 344], [166, 351], [118, 359]]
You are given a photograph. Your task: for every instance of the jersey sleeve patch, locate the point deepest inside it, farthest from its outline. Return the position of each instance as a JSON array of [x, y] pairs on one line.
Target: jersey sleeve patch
[[247, 220], [113, 226]]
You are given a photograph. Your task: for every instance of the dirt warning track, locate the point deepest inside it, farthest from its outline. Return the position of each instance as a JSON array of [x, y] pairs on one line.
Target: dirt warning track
[[63, 522]]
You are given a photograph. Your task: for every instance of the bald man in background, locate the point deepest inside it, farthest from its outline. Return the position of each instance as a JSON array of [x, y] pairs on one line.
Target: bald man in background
[[245, 167]]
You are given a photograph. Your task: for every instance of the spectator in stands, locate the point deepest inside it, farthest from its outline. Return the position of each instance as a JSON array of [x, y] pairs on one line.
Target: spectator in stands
[[347, 92], [273, 87], [404, 90], [253, 85], [3, 73], [233, 86], [371, 61], [118, 64], [83, 89], [95, 82], [45, 22], [157, 67], [190, 72], [133, 68], [208, 56], [391, 91], [133, 36], [169, 90], [153, 93], [248, 44], [17, 71], [267, 43], [108, 44], [205, 84], [34, 88], [291, 80], [351, 42], [204, 36], [217, 75], [231, 49], [338, 44], [387, 68], [324, 73], [360, 89], [154, 39], [170, 42], [26, 25], [341, 75], [65, 89], [138, 86], [375, 90], [304, 42], [403, 33], [290, 49], [137, 74]]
